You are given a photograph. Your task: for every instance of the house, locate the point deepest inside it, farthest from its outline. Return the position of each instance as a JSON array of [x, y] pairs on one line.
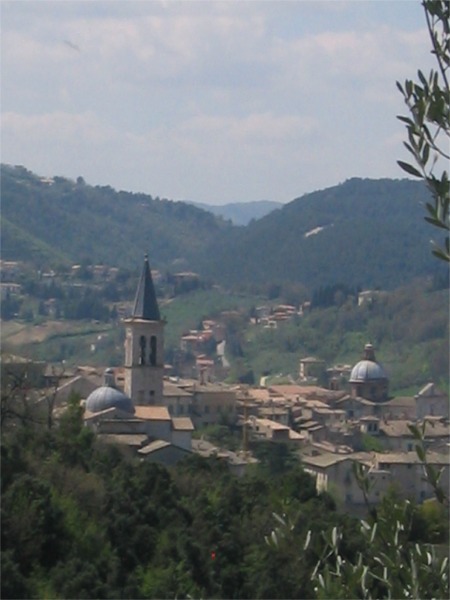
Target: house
[[408, 475], [396, 436], [311, 368], [272, 431], [10, 270], [211, 402], [370, 296], [430, 401], [162, 452], [176, 399], [400, 407], [402, 471], [10, 289], [335, 473]]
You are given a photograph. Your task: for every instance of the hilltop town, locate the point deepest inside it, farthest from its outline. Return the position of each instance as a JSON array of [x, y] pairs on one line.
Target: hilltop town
[[329, 417]]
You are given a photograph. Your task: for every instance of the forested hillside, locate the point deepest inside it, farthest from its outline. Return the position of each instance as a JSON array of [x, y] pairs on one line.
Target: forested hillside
[[365, 233], [362, 233], [77, 221]]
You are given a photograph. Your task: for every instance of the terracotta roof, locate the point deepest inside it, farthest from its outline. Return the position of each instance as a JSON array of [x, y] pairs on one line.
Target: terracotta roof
[[182, 424], [152, 413], [127, 439], [399, 428], [154, 446], [172, 389], [433, 458], [401, 401]]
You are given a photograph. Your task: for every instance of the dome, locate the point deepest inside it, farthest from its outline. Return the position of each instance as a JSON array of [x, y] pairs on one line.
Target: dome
[[106, 397], [367, 370]]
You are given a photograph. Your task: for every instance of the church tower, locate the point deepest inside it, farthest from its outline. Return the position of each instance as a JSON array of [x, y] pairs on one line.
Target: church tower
[[144, 345]]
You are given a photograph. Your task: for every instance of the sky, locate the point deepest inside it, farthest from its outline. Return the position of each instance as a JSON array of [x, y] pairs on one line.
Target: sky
[[208, 101]]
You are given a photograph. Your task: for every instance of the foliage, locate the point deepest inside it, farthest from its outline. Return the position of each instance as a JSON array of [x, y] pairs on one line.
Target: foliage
[[428, 125], [83, 520], [408, 327], [64, 222], [382, 252]]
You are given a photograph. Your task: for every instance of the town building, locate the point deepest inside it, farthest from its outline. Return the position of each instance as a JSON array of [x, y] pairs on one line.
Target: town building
[[139, 416]]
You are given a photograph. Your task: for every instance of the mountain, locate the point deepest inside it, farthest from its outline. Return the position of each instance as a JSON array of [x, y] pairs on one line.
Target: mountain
[[368, 233], [59, 220], [241, 213], [362, 232]]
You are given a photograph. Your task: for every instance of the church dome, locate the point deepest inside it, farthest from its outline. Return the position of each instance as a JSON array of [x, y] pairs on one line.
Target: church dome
[[367, 370], [106, 397]]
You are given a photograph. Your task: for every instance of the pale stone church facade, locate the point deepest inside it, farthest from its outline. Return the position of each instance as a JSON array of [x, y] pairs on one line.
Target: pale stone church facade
[[137, 416]]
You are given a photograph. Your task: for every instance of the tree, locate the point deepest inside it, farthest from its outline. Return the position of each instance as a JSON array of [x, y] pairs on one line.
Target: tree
[[428, 125]]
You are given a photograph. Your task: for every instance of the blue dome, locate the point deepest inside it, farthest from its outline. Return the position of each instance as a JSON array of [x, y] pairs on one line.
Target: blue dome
[[106, 397], [367, 370]]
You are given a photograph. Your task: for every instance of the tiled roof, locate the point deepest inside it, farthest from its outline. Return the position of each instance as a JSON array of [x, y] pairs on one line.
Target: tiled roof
[[172, 389], [182, 424], [127, 439], [152, 413], [154, 446], [433, 458]]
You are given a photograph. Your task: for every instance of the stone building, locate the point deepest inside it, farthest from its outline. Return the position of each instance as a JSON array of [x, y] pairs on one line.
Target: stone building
[[138, 416], [144, 345]]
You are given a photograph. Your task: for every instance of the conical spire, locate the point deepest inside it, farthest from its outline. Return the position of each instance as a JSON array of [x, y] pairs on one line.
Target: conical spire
[[145, 303]]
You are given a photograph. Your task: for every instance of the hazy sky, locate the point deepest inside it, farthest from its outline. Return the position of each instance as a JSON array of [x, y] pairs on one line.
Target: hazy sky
[[208, 101]]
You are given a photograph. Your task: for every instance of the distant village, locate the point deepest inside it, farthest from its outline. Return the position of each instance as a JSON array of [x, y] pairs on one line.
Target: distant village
[[331, 416]]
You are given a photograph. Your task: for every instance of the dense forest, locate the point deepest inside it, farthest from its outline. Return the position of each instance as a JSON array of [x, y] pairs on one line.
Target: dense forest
[[85, 520], [363, 232]]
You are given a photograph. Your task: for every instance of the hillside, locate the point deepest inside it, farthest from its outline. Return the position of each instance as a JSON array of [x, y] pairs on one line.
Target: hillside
[[364, 233], [65, 220]]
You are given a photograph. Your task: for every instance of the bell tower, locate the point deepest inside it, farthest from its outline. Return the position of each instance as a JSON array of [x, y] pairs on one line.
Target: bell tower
[[144, 345]]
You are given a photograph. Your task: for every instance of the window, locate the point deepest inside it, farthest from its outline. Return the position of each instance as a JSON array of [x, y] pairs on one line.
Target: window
[[153, 350], [142, 346]]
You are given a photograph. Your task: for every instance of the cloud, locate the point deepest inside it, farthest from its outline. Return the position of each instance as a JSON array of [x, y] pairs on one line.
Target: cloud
[[264, 99]]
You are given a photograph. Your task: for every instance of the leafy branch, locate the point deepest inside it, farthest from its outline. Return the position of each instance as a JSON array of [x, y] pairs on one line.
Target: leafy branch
[[428, 126]]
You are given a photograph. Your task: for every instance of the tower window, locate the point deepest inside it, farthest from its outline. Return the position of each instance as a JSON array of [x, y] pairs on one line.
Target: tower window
[[142, 346], [153, 350]]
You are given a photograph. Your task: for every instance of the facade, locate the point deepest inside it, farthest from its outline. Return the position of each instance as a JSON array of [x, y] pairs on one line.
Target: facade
[[402, 471], [431, 402], [211, 403]]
